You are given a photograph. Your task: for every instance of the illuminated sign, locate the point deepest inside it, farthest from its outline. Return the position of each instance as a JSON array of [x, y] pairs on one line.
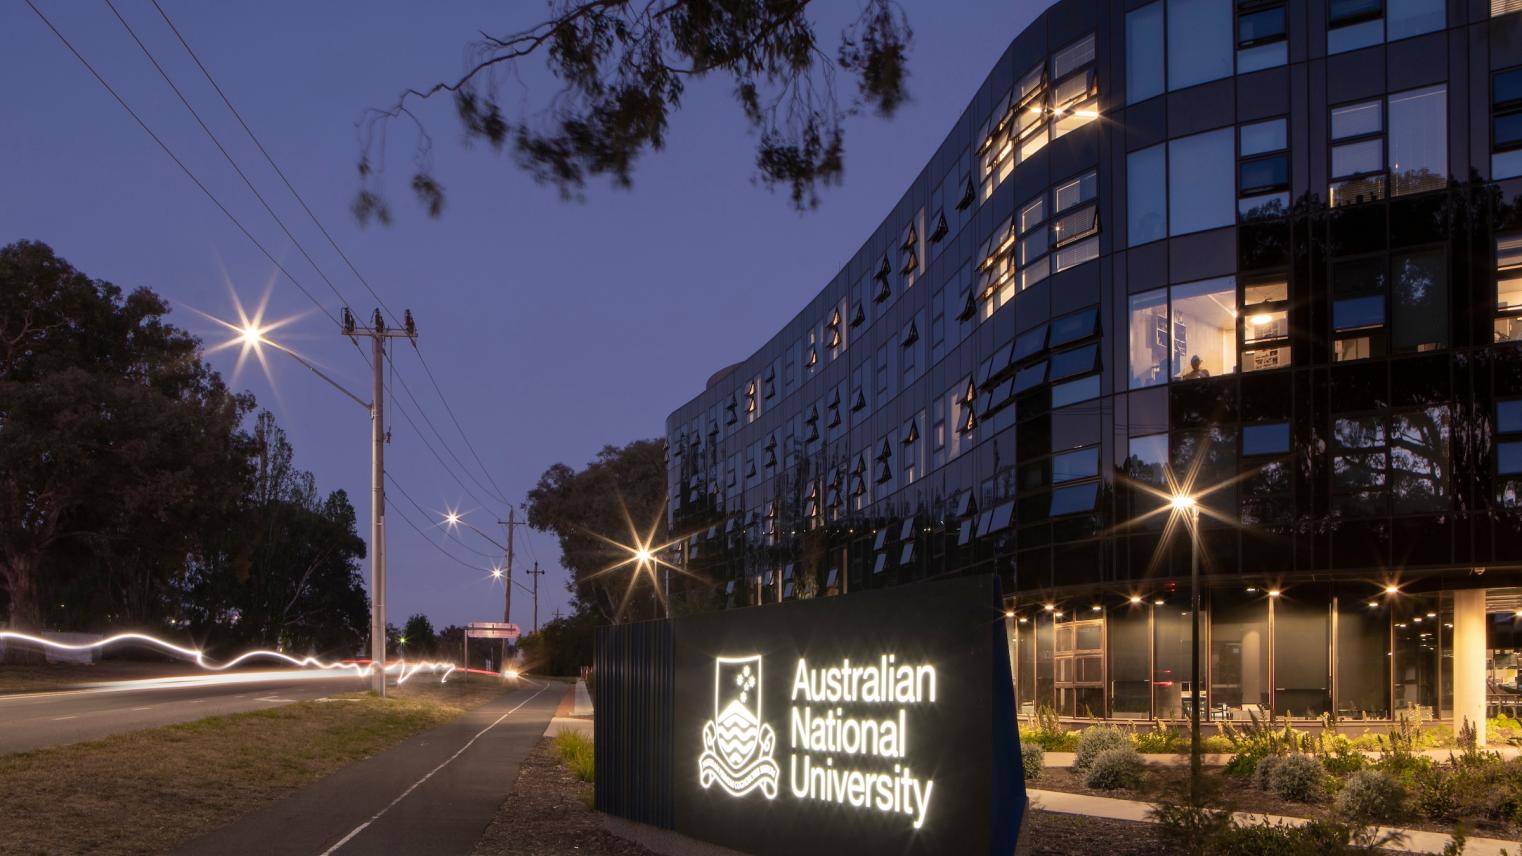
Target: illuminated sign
[[877, 722]]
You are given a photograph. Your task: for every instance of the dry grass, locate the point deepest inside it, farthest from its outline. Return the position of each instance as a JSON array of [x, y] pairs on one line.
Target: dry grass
[[148, 791]]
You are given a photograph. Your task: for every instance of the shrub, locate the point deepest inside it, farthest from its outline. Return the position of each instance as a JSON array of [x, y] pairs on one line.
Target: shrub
[[1048, 733], [1264, 771], [1212, 743], [1033, 760], [1161, 739], [1258, 740], [1298, 778], [1370, 795], [1096, 740], [576, 752], [1190, 826], [1114, 768]]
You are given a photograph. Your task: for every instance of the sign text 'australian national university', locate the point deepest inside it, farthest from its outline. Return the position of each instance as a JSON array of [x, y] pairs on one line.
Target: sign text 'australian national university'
[[880, 721]]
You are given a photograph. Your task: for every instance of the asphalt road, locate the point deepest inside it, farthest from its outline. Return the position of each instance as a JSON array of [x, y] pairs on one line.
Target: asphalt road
[[41, 719], [434, 793]]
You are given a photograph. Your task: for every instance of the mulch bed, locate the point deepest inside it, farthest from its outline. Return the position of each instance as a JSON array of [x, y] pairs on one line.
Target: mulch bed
[[1050, 834], [549, 813]]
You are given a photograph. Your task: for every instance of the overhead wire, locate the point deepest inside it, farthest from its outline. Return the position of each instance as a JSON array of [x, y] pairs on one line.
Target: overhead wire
[[226, 155], [496, 490], [271, 161], [180, 163], [290, 277]]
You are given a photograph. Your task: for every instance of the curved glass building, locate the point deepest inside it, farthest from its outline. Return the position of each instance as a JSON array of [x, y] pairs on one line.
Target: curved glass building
[[1264, 254]]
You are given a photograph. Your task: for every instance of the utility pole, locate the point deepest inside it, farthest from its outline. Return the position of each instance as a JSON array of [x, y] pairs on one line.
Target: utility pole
[[378, 334], [507, 590], [537, 574]]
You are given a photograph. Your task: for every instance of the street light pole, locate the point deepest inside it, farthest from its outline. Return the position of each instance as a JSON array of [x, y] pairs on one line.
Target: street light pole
[[1194, 652]]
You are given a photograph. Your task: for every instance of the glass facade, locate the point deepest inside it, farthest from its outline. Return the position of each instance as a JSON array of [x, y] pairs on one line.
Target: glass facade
[[1280, 270]]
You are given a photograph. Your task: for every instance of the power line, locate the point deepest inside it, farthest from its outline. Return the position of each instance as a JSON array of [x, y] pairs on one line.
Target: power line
[[445, 443], [499, 493], [456, 559], [424, 512], [450, 410], [181, 164], [271, 161], [230, 160]]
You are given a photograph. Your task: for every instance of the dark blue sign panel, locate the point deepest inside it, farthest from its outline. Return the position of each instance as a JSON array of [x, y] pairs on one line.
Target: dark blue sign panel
[[878, 722]]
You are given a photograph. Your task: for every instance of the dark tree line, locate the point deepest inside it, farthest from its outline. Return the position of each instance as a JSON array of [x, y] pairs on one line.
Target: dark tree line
[[133, 493]]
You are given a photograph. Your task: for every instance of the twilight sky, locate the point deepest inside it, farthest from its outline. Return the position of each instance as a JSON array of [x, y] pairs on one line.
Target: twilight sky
[[552, 327]]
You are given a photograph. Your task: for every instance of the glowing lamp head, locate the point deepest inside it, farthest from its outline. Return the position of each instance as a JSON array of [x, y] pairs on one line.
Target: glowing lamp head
[[1135, 599], [250, 335], [1392, 589], [1181, 502], [452, 518], [644, 556], [496, 573], [1273, 592], [510, 674], [1049, 607], [1009, 613]]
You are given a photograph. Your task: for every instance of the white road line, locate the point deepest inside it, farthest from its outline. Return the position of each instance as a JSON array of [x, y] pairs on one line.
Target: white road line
[[361, 828]]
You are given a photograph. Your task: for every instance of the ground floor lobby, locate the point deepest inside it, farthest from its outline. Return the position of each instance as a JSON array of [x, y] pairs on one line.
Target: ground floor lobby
[[1359, 651]]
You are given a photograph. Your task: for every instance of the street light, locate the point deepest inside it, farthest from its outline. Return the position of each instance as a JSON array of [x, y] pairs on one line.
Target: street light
[[1185, 504], [252, 334]]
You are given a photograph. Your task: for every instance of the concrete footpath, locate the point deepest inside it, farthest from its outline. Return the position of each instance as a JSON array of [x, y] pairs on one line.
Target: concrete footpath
[[1415, 841], [432, 794]]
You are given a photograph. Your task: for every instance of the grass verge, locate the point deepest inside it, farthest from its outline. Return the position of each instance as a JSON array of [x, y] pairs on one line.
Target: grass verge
[[149, 791], [575, 751]]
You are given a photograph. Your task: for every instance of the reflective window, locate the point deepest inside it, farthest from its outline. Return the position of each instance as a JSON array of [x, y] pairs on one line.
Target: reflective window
[[1270, 438], [1419, 284], [1260, 38], [1075, 498], [1402, 467], [1147, 195], [1509, 287], [1144, 53], [1509, 458], [1147, 464], [1072, 327], [1076, 361], [1204, 328], [1263, 170], [1075, 391], [1239, 654], [1353, 24], [1206, 27], [1149, 334], [1029, 343], [1071, 466], [1509, 416], [1407, 18], [1419, 140], [1506, 123], [1200, 181]]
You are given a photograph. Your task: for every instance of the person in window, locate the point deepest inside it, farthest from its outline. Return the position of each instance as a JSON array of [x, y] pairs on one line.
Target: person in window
[[1196, 371]]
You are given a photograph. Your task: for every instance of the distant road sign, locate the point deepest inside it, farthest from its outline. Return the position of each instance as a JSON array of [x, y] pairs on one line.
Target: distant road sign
[[491, 630]]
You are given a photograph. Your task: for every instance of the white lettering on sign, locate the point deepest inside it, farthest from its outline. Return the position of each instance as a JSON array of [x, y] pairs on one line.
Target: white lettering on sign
[[856, 714], [827, 719]]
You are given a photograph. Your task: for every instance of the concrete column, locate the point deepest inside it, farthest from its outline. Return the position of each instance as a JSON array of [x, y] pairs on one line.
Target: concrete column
[[1469, 660]]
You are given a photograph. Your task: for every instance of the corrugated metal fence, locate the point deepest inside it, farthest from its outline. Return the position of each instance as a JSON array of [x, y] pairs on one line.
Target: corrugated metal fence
[[635, 693]]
